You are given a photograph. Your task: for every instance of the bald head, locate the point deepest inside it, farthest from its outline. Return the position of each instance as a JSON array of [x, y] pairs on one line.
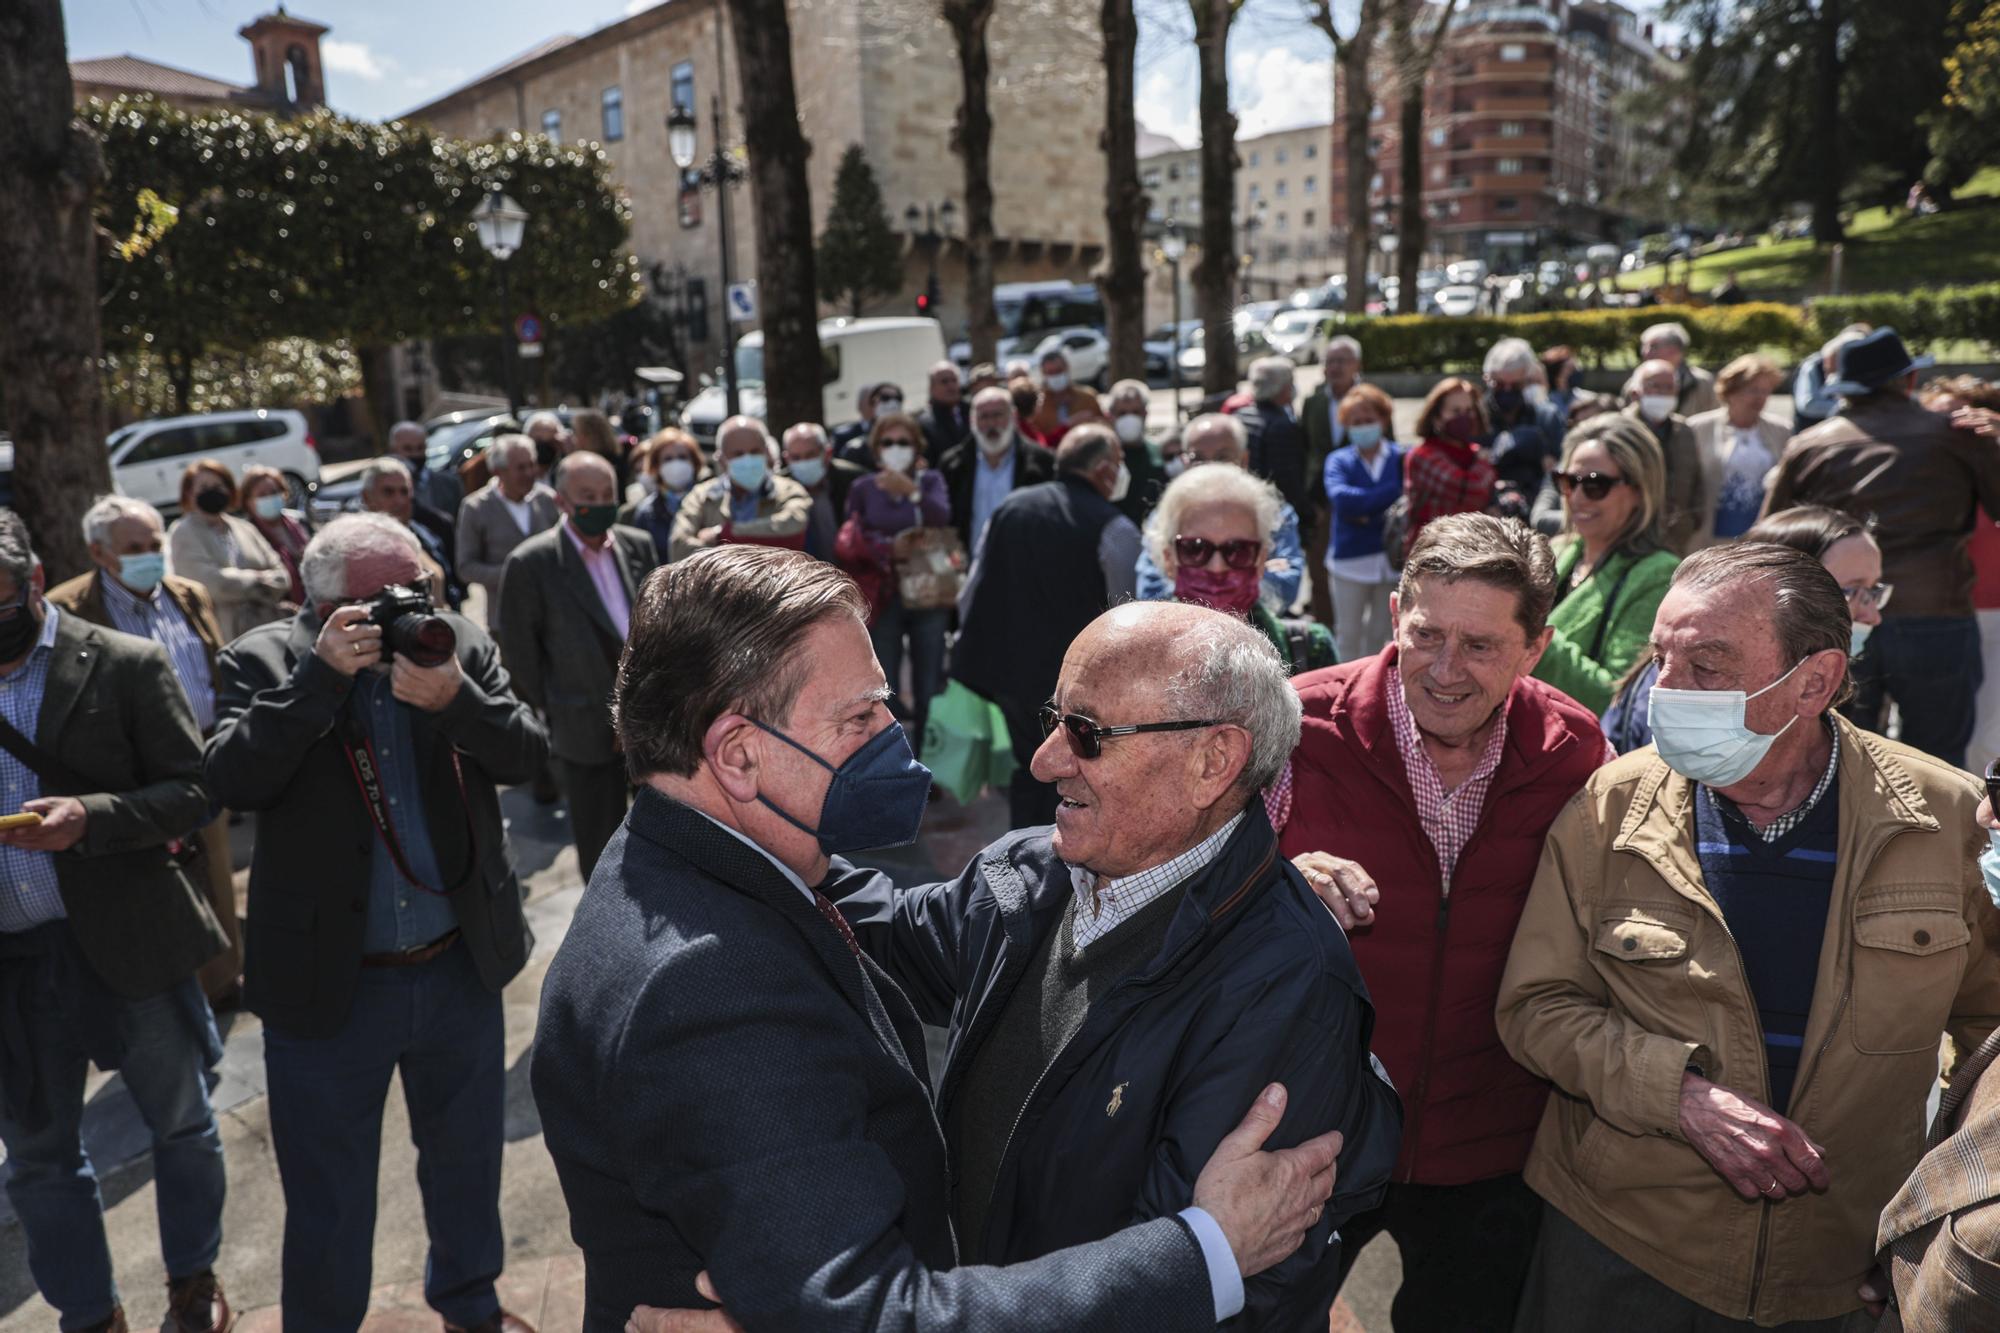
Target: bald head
[[1215, 438], [1657, 376], [741, 435], [583, 472]]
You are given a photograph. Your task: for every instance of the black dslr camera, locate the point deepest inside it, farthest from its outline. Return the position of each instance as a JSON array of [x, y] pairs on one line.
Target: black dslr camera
[[411, 626]]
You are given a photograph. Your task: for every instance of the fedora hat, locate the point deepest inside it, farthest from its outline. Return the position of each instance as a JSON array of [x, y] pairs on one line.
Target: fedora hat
[[1869, 362]]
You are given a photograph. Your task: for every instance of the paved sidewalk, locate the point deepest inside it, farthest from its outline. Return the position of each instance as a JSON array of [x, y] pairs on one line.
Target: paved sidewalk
[[544, 1277]]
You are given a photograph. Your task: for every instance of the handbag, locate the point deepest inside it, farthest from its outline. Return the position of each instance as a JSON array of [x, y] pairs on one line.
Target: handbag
[[930, 568]]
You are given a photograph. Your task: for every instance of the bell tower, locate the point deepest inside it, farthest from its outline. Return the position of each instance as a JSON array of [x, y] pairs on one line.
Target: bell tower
[[286, 52]]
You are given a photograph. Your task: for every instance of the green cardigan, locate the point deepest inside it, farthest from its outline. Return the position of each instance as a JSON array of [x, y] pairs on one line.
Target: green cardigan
[[1568, 664]]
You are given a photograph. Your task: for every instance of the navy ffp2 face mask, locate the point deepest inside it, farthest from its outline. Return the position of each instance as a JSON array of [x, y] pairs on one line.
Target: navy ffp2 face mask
[[876, 799]]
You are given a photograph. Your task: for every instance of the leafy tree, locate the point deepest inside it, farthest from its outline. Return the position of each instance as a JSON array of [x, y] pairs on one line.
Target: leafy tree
[[1965, 128], [859, 255]]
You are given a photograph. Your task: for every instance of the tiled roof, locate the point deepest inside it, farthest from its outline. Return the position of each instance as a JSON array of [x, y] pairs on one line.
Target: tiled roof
[[138, 75], [535, 52]]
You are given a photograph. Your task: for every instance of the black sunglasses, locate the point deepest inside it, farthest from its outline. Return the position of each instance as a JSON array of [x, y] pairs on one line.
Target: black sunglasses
[[1237, 553], [1086, 738], [1993, 783], [1594, 485]]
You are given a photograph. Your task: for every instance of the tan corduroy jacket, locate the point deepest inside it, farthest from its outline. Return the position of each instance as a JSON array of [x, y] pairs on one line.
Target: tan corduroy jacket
[[1622, 972]]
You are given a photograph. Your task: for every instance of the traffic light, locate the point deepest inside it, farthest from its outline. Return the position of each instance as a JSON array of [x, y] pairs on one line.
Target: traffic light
[[927, 299], [923, 303]]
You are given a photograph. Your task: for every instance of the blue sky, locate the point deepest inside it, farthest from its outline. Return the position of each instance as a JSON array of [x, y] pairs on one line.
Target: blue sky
[[387, 56]]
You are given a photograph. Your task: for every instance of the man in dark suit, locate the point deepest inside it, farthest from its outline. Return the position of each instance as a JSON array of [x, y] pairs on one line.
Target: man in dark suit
[[990, 465], [944, 419], [566, 598], [130, 591], [500, 515], [384, 920], [1277, 445], [386, 488], [101, 937], [440, 492], [803, 1168], [810, 462]]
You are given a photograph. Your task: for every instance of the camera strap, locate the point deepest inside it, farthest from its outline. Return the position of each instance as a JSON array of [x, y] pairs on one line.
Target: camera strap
[[368, 777]]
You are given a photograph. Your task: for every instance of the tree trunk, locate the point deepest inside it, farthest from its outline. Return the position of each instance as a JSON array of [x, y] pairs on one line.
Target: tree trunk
[[1124, 284], [972, 140], [378, 391], [1827, 128], [1357, 99], [1410, 219], [50, 167], [786, 284], [1215, 274]]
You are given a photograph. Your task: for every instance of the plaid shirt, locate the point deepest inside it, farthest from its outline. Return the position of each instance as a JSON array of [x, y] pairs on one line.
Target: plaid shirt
[[1449, 818], [1791, 819], [1443, 477], [29, 893], [1101, 906], [159, 618]]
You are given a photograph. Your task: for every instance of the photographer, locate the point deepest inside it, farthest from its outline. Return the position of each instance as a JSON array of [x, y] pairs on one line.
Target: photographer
[[384, 916]]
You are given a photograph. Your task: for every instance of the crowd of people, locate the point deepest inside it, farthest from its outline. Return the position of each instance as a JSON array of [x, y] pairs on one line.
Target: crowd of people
[[1542, 841]]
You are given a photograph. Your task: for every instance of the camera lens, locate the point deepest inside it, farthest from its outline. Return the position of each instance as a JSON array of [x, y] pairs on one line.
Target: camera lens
[[426, 640]]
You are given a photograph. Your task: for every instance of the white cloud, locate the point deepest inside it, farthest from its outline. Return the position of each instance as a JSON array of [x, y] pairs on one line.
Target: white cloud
[[354, 59], [1165, 103], [1279, 89], [634, 6]]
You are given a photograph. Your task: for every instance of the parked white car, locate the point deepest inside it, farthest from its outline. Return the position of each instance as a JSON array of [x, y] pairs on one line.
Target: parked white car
[[1458, 299], [148, 457], [1301, 335], [1089, 354]]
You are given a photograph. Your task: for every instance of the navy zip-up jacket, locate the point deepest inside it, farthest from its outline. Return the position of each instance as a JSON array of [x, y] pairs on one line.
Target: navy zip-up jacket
[[1253, 985]]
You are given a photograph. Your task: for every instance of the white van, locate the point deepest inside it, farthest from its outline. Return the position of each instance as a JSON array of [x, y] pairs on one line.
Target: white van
[[853, 352], [148, 457]]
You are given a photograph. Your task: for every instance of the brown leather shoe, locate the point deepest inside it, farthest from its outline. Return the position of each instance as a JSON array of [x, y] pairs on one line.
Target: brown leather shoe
[[196, 1305], [113, 1323], [502, 1321]]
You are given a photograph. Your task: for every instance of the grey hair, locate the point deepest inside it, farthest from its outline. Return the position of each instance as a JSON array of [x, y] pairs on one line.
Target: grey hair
[[993, 393], [17, 550], [402, 426], [811, 429], [502, 452], [1224, 421], [542, 419], [323, 567], [1268, 377], [1229, 671], [1342, 343], [1508, 355], [108, 509], [1809, 612], [1209, 485], [381, 468], [1086, 447], [1124, 387], [1652, 365], [1676, 334]]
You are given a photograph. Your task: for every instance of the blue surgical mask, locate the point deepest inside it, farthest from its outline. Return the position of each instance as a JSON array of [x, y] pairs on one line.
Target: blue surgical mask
[[808, 471], [1857, 638], [1365, 436], [1703, 737], [268, 507], [876, 799], [749, 470], [1989, 866], [142, 572]]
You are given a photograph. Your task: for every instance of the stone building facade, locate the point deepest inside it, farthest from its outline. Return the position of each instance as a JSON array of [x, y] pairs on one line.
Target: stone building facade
[[882, 74]]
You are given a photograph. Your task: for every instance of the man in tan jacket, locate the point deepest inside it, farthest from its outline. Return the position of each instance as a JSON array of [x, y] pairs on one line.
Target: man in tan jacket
[[1735, 964]]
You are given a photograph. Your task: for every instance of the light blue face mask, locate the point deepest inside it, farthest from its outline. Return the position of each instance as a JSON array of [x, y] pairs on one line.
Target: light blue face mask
[[1365, 436], [749, 470], [1989, 866], [808, 471], [1703, 737], [142, 572], [1857, 638]]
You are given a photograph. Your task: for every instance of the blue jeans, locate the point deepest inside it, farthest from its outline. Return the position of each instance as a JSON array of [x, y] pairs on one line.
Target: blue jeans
[[445, 1031], [1931, 667], [50, 1180], [925, 631]]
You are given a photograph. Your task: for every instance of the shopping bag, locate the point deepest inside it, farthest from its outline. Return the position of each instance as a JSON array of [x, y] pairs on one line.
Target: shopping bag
[[1000, 764], [958, 741]]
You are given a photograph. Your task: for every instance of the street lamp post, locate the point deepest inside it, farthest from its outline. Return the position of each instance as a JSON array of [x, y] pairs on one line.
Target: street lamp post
[[1173, 248], [500, 223], [931, 241], [1250, 226], [718, 174]]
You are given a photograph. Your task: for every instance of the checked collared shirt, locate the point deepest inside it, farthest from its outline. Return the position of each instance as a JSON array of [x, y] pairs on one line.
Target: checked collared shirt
[[1102, 905], [1449, 818]]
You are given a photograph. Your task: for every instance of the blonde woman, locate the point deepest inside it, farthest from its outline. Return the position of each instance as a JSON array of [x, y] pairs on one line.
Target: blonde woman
[[1738, 444]]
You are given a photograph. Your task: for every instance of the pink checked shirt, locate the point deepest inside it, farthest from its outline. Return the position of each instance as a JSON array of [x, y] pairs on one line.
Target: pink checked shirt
[[1448, 818], [602, 565]]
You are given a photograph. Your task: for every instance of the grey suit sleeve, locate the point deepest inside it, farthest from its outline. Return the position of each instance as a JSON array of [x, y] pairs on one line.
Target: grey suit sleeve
[[473, 541], [167, 798], [771, 1177], [1118, 555]]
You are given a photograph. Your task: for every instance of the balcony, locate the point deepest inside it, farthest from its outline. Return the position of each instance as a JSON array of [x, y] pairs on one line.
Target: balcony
[[1527, 183], [1518, 146], [1507, 71], [1510, 106]]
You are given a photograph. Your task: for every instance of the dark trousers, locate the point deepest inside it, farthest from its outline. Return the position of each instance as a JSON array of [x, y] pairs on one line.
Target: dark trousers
[[1029, 803], [1931, 667], [443, 1030], [1318, 523], [1577, 1285], [1465, 1252], [925, 631], [597, 795], [50, 1180]]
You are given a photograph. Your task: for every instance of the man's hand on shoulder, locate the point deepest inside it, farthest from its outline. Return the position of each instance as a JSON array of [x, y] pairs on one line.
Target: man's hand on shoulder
[[1265, 1202], [1347, 890]]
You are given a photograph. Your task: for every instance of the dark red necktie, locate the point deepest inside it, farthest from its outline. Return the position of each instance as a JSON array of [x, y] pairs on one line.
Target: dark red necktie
[[838, 922]]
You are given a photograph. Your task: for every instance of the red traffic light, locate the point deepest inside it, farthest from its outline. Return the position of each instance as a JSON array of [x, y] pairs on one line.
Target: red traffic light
[[923, 303]]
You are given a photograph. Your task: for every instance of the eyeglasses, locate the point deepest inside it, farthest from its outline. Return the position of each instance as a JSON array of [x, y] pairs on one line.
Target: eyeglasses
[[1237, 553], [1993, 783], [8, 610], [1087, 738], [890, 441], [1594, 485], [1875, 595]]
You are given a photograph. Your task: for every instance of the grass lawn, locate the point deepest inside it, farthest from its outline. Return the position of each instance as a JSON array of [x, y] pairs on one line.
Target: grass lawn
[[1885, 250]]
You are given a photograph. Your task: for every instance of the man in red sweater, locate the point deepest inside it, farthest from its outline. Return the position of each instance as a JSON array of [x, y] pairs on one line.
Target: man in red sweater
[[1439, 766]]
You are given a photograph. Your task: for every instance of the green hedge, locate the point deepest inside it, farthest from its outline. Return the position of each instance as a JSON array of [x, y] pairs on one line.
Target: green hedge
[[1720, 333]]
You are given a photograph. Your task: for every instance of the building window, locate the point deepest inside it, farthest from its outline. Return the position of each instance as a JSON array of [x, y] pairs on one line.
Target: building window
[[1307, 220], [1312, 185], [1281, 189], [1312, 151], [1508, 166], [614, 114], [682, 83], [1437, 137], [1506, 203], [1173, 172], [1510, 129], [552, 124], [1437, 172], [1150, 178], [1375, 183], [1375, 112], [1279, 157], [1252, 196], [1513, 51]]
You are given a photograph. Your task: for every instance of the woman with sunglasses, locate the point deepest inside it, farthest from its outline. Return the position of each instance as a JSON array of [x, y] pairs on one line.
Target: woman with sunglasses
[[1841, 542], [1612, 561], [902, 493], [1208, 537]]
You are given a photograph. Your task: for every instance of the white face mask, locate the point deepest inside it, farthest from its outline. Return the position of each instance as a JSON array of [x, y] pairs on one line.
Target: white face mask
[[1702, 735], [1857, 638], [1122, 485], [898, 457], [1656, 407], [1536, 394], [994, 444], [677, 473], [1055, 383], [1175, 466], [1131, 427], [884, 406]]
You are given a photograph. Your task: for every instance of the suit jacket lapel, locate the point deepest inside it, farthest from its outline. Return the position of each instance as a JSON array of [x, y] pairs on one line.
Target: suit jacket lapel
[[192, 612], [628, 571], [72, 658], [581, 586]]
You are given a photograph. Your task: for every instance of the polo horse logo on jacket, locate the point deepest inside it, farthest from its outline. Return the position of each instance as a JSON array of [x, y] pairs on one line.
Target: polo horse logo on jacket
[[1117, 1100]]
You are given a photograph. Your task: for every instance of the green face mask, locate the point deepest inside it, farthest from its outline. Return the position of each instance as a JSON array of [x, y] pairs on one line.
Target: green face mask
[[593, 520]]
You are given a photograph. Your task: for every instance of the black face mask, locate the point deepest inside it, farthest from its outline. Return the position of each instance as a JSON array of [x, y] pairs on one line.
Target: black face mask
[[212, 501], [18, 634]]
